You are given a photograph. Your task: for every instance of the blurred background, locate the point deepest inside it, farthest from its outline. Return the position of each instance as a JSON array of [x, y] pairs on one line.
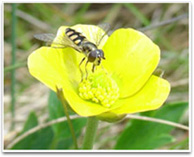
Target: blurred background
[[23, 94]]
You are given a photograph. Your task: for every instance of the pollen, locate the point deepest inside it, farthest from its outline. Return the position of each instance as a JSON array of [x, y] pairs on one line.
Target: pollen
[[100, 88]]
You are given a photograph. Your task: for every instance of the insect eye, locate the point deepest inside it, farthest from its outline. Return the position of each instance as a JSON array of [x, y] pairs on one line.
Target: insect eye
[[92, 56]]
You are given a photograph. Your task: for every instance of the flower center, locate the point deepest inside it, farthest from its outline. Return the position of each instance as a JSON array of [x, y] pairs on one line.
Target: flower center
[[100, 88]]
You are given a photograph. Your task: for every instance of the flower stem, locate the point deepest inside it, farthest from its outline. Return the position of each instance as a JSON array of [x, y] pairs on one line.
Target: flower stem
[[91, 128], [13, 60], [60, 95]]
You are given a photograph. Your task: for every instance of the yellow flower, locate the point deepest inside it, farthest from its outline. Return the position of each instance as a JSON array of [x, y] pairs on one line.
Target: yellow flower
[[122, 84]]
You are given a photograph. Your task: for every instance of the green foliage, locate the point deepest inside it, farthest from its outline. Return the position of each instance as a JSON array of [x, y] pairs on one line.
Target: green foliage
[[145, 21], [64, 143], [38, 140], [61, 130], [81, 12], [149, 135], [57, 136], [31, 122], [184, 144]]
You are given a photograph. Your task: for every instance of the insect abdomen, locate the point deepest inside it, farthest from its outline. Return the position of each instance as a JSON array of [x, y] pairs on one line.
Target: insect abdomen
[[74, 36]]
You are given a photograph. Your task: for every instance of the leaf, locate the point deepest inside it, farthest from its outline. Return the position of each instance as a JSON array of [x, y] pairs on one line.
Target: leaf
[[31, 122], [65, 143], [38, 140], [62, 131], [150, 135]]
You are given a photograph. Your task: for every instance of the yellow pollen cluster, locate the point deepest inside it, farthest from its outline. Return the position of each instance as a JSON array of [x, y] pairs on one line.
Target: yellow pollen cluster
[[100, 88]]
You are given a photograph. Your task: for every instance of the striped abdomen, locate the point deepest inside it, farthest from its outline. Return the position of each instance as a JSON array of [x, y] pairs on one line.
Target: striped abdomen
[[74, 36]]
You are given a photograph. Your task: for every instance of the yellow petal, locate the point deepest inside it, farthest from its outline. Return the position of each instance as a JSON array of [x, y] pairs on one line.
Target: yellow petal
[[131, 57], [58, 68], [150, 97], [51, 65]]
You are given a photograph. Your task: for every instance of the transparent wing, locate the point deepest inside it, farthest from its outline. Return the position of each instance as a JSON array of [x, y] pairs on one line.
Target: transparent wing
[[45, 37], [100, 34], [59, 42]]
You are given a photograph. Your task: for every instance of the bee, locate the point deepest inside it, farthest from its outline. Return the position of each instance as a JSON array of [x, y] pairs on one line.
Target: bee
[[80, 43]]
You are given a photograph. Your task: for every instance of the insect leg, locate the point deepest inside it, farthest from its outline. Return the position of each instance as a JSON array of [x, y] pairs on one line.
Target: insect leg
[[80, 67], [86, 69], [93, 67]]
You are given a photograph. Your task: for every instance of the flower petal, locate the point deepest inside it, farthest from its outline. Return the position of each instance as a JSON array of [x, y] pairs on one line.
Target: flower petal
[[58, 68], [131, 57], [150, 97], [51, 65]]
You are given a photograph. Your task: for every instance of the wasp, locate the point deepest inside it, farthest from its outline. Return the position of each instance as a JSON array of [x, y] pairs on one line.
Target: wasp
[[80, 43]]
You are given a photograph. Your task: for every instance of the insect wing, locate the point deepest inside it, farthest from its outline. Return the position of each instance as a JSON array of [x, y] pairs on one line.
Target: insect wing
[[64, 41], [101, 34], [45, 37], [104, 26], [59, 42]]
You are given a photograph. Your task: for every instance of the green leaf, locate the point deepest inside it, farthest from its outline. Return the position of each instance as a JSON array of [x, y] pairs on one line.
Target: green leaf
[[31, 122], [150, 135], [38, 140], [62, 131], [65, 143]]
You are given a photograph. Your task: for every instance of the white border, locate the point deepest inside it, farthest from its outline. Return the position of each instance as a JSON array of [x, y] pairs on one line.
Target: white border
[[110, 151], [96, 1]]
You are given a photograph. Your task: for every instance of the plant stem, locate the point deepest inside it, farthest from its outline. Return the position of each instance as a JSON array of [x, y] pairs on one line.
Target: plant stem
[[163, 23], [61, 97], [14, 66], [13, 80], [91, 128]]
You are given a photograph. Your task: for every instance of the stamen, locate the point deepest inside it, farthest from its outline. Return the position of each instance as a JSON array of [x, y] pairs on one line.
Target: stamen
[[100, 88]]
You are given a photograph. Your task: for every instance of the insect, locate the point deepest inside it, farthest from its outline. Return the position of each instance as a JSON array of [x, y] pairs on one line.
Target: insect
[[80, 43]]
